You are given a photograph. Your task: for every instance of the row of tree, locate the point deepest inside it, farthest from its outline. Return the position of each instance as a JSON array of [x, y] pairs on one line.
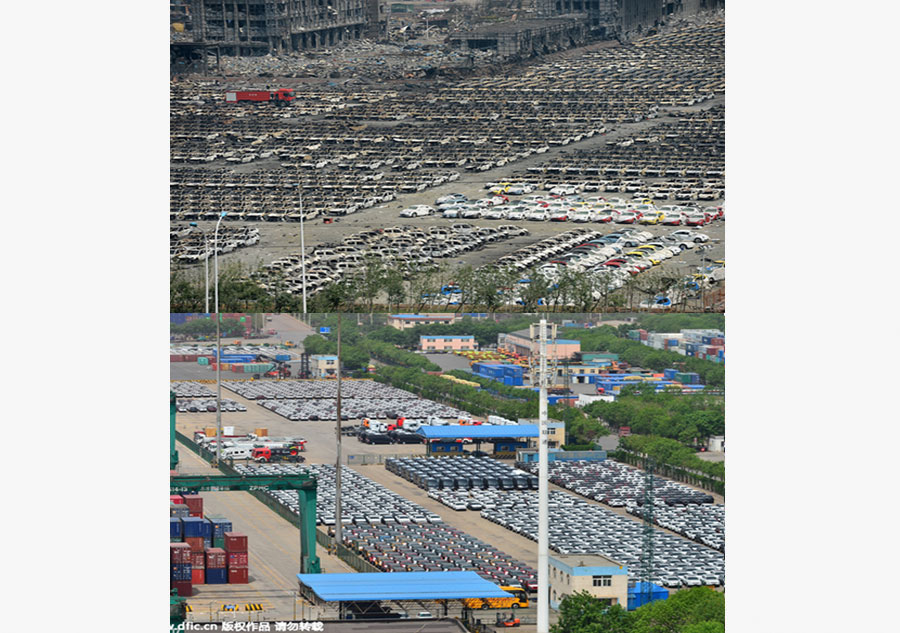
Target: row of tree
[[695, 610], [485, 331], [207, 327], [690, 419], [677, 322], [672, 453], [608, 339], [376, 286]]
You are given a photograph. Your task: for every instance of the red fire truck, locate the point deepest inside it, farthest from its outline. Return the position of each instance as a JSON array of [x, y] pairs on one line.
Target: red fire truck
[[282, 96]]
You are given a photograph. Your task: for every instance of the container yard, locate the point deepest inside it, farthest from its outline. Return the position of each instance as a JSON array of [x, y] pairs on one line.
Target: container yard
[[402, 509]]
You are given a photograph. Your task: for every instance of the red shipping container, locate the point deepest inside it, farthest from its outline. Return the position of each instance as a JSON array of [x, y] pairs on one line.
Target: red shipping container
[[195, 504], [176, 498], [237, 559], [195, 542], [198, 576], [198, 560], [238, 575], [235, 542], [184, 587], [179, 553], [215, 558]]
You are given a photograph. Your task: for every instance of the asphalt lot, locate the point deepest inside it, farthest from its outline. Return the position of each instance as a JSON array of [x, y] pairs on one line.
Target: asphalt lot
[[282, 239]]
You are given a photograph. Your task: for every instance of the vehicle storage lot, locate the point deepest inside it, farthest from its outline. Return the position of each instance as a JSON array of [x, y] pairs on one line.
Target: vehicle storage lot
[[651, 112]]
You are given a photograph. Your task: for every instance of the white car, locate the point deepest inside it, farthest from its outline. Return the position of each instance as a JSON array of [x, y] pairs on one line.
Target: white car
[[417, 211], [581, 215], [518, 190], [453, 212], [472, 213], [564, 190], [493, 214], [515, 214], [538, 214], [685, 234]]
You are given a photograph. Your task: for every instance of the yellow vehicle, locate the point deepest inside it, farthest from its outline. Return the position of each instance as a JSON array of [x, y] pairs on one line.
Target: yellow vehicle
[[520, 600], [652, 218]]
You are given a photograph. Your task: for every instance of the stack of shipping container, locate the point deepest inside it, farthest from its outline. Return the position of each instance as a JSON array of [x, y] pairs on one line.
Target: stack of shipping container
[[199, 547], [705, 344], [511, 375]]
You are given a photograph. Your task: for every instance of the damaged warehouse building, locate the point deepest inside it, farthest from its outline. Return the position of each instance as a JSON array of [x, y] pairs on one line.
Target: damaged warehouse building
[[524, 37], [258, 27], [611, 19]]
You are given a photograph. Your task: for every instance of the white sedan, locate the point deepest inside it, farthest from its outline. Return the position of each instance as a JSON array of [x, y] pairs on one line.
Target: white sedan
[[417, 211]]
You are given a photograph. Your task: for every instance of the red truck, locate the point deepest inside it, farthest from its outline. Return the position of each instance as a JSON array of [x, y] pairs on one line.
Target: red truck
[[282, 96]]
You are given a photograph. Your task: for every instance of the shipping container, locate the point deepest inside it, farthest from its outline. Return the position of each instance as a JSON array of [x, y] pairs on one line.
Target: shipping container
[[235, 542], [639, 596], [179, 553], [180, 571], [175, 528], [196, 542], [195, 503], [237, 559], [220, 525], [183, 588], [262, 432], [216, 575], [203, 361], [238, 575], [197, 576], [192, 527], [176, 498], [216, 558], [198, 559]]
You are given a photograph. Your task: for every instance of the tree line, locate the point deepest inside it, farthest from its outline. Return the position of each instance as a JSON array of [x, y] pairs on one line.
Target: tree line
[[694, 610], [376, 286]]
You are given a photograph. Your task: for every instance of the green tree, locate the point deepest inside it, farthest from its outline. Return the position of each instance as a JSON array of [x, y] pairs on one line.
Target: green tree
[[686, 608], [583, 613]]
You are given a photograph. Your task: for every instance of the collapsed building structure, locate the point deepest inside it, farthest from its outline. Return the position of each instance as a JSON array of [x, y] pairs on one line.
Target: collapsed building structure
[[256, 27], [524, 37]]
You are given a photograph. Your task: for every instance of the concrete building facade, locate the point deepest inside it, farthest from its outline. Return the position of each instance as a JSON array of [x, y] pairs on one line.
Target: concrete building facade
[[448, 343], [601, 577], [253, 27], [323, 365], [406, 321], [521, 343]]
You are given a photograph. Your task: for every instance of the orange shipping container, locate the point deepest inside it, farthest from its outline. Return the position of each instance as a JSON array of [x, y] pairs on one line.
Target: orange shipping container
[[261, 432]]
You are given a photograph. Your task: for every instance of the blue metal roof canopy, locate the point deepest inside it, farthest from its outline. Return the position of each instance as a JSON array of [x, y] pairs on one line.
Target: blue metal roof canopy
[[479, 431], [411, 585]]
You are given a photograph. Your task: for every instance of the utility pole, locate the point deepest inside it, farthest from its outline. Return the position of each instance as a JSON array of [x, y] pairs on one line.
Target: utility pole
[[338, 525], [648, 530]]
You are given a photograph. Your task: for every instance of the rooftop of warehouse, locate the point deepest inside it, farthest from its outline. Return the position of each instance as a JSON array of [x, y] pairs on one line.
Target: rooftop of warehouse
[[481, 431], [432, 585], [433, 336]]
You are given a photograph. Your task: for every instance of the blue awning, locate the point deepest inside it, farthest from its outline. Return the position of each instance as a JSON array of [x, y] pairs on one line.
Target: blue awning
[[479, 431], [412, 585]]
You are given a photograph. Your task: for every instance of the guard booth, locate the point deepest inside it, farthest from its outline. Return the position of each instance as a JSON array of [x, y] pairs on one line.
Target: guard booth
[[444, 447]]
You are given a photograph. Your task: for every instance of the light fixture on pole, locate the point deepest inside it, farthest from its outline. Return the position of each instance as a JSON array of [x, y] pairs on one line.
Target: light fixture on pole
[[206, 264], [543, 605], [302, 250], [218, 346], [338, 510]]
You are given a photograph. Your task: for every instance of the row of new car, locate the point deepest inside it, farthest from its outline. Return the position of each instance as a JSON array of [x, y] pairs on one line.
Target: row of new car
[[461, 473]]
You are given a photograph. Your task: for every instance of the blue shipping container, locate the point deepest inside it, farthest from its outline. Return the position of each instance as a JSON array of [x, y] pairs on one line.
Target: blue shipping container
[[192, 527], [216, 576], [181, 572], [174, 527], [637, 597], [219, 527], [282, 357], [207, 529]]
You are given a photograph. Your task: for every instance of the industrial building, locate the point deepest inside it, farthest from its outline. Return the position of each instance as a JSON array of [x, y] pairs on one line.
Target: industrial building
[[524, 37], [323, 365], [257, 27], [610, 19], [522, 344], [448, 343], [601, 577], [406, 321]]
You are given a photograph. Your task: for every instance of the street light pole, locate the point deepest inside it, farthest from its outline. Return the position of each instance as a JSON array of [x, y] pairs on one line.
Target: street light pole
[[206, 265], [302, 251], [543, 606], [218, 348], [338, 524]]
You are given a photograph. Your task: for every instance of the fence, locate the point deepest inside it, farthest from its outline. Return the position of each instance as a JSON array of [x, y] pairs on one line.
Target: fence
[[685, 475]]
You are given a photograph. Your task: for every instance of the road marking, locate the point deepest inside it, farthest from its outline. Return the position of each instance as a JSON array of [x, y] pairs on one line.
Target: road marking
[[253, 606]]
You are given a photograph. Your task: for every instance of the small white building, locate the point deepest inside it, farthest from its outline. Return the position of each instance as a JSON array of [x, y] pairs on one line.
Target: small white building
[[717, 443], [601, 577]]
